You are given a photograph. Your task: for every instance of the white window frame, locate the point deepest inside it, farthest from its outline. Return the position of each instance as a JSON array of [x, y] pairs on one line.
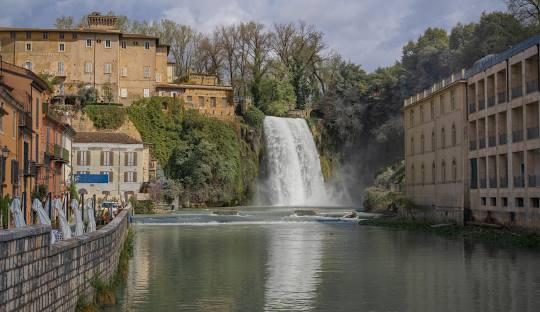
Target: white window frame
[[189, 100], [88, 68], [124, 93], [108, 43], [146, 71], [61, 68], [28, 65], [130, 175], [26, 45], [124, 71], [158, 77], [61, 47], [146, 93], [88, 43], [147, 45], [107, 158], [107, 68]]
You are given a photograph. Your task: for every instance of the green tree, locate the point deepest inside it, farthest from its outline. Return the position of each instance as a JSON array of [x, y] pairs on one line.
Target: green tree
[[108, 95]]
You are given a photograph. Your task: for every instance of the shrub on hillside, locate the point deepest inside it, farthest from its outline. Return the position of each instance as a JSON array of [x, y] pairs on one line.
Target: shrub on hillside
[[106, 116], [254, 117]]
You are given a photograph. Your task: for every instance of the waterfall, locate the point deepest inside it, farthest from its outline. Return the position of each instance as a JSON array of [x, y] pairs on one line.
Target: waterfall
[[293, 169]]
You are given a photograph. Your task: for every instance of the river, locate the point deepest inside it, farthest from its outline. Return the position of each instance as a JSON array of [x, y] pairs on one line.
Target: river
[[204, 262]]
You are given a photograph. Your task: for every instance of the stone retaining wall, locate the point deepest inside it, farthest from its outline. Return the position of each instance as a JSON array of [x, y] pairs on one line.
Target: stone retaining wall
[[35, 276]]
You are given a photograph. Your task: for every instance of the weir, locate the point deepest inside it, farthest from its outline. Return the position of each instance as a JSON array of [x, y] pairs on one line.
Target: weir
[[293, 170]]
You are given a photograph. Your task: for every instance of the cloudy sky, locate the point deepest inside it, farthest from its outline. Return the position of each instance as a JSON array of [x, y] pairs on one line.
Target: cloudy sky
[[369, 32]]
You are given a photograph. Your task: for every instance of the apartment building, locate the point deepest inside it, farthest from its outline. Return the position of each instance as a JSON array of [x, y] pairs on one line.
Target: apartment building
[[127, 65], [109, 164], [504, 149], [203, 93], [435, 138]]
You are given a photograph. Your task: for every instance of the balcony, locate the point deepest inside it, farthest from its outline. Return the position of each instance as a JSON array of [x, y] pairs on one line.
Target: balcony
[[503, 182], [472, 107], [517, 136], [472, 145], [483, 183], [517, 91], [532, 86], [492, 183], [519, 181], [491, 101], [482, 143], [503, 139], [501, 97], [534, 181], [492, 141], [29, 169], [481, 104], [25, 121], [65, 155], [533, 133]]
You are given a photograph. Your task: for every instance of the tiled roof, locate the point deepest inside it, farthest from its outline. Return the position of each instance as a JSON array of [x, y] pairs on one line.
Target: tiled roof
[[104, 137]]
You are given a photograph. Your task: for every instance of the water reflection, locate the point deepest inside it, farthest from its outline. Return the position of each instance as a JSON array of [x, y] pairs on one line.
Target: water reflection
[[323, 267]]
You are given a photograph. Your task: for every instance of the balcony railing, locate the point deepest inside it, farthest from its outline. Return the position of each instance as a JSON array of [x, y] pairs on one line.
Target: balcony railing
[[532, 86], [533, 133], [503, 182], [517, 91], [472, 145], [517, 136], [29, 169], [503, 138], [65, 154], [57, 151], [491, 101], [492, 141], [501, 97], [481, 104], [482, 143], [519, 181], [483, 183], [49, 150], [25, 121], [472, 107], [534, 181], [492, 183]]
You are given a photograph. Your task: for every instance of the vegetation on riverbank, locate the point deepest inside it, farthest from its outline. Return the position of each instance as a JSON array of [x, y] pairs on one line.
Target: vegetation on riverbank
[[501, 237]]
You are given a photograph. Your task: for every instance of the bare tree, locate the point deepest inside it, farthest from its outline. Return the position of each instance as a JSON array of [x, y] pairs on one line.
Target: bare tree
[[64, 22], [259, 49], [228, 41], [527, 11]]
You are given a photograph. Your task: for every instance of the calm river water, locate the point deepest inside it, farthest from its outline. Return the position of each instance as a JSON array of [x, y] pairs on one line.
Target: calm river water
[[299, 264]]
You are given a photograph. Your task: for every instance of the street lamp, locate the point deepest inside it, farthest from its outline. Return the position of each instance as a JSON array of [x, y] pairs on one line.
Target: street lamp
[[4, 156]]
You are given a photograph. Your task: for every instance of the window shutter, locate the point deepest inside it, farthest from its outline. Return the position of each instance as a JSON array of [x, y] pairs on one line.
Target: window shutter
[[135, 158], [125, 176], [79, 158], [110, 176], [126, 159], [135, 176], [88, 158], [102, 158]]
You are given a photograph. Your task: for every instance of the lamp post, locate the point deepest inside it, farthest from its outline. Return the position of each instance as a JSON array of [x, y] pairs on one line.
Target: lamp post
[[4, 156]]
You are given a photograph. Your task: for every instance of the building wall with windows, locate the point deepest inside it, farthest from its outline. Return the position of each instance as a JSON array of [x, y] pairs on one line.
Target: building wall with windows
[[117, 155], [435, 136], [504, 115]]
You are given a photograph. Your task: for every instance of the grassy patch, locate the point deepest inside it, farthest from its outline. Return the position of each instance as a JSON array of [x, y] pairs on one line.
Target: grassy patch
[[500, 237]]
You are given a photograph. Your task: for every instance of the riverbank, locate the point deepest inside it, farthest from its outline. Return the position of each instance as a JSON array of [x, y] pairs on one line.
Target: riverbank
[[497, 236]]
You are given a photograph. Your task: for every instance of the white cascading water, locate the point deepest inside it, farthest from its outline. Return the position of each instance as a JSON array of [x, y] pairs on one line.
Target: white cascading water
[[294, 176]]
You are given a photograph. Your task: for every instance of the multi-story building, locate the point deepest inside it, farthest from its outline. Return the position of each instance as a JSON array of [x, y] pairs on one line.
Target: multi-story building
[[116, 157], [126, 66], [203, 93], [504, 150], [435, 138], [24, 94]]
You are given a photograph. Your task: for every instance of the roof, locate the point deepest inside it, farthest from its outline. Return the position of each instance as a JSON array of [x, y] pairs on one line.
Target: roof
[[5, 92], [104, 137], [192, 86], [81, 30], [14, 69]]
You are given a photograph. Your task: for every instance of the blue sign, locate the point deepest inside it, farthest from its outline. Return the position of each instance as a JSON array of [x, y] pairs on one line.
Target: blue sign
[[92, 178]]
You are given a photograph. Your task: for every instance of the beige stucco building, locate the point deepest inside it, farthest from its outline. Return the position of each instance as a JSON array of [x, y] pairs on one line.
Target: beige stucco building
[[503, 97], [97, 56], [435, 138]]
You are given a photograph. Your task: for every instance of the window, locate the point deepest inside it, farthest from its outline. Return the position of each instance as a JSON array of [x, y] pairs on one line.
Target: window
[[130, 159], [106, 158], [411, 117], [422, 174], [14, 125], [412, 175], [123, 44], [201, 101], [421, 113], [88, 43], [123, 93], [37, 113], [83, 158], [60, 68], [146, 71], [61, 47], [493, 201], [28, 35], [535, 202], [432, 110], [48, 137], [433, 173], [422, 145], [146, 93], [61, 35], [443, 172], [520, 203], [147, 45], [443, 138], [504, 201], [73, 35], [433, 141], [454, 170], [454, 135], [224, 102], [130, 176], [412, 146], [213, 102], [107, 43], [189, 100], [483, 201], [45, 35], [28, 46], [135, 43], [453, 100], [441, 101], [124, 72], [87, 68], [107, 68], [28, 65], [158, 77]]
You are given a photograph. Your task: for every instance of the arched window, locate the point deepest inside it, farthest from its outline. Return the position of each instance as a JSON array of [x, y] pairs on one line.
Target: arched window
[[412, 146], [443, 172], [433, 141], [443, 138], [454, 170], [454, 135], [422, 174], [433, 173], [422, 144]]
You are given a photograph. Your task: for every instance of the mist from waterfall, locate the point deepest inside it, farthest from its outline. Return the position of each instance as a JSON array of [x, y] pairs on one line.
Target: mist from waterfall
[[292, 173]]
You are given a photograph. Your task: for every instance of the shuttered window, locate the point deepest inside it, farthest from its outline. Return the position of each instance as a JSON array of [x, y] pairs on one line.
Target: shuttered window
[[130, 159], [130, 176]]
